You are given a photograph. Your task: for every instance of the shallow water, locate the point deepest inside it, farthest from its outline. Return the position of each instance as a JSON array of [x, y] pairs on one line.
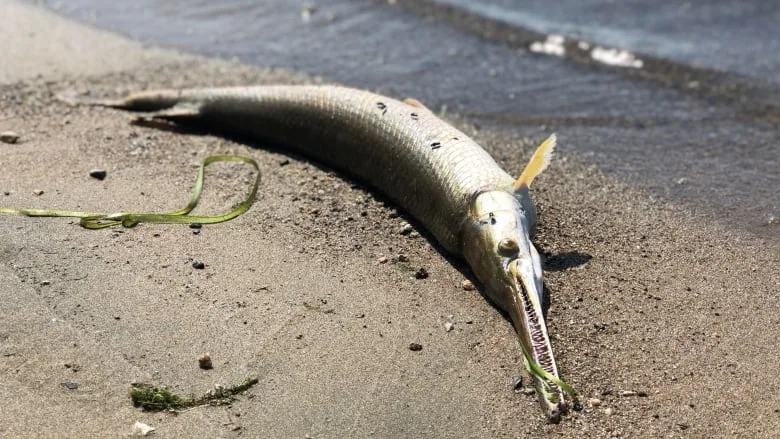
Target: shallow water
[[710, 142]]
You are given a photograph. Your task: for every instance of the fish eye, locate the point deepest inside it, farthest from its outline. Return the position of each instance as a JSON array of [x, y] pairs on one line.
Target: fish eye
[[508, 247]]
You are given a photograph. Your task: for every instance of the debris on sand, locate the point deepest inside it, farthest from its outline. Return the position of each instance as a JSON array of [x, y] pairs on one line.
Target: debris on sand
[[205, 362], [468, 285], [141, 429], [158, 399], [97, 173], [9, 137]]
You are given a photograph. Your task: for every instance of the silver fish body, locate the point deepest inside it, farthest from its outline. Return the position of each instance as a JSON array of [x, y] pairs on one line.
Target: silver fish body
[[433, 171]]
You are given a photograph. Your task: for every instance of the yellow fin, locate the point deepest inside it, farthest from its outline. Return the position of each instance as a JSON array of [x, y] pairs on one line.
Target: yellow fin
[[538, 163], [415, 103]]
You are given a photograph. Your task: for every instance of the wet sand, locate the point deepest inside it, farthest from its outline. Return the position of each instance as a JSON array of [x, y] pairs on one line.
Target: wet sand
[[646, 296]]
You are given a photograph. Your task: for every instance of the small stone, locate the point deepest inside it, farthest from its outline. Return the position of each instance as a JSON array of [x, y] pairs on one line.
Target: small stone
[[609, 411], [196, 225], [594, 402], [382, 260], [529, 391], [449, 326], [468, 285], [626, 393], [682, 181], [415, 347], [421, 274], [284, 162], [403, 258], [99, 174], [406, 229], [516, 383], [38, 192], [69, 385], [9, 137], [45, 282], [198, 265], [141, 429], [204, 361]]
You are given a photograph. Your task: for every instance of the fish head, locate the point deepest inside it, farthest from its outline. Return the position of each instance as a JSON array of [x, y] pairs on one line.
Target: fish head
[[496, 242]]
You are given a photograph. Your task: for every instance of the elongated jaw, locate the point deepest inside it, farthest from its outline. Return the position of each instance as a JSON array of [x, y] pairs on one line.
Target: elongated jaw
[[537, 350]]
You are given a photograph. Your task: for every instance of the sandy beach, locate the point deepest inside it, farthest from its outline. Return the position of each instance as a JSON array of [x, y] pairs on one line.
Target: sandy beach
[[665, 321]]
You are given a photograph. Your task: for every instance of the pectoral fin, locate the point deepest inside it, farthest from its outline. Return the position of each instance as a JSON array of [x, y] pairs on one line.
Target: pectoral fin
[[538, 163]]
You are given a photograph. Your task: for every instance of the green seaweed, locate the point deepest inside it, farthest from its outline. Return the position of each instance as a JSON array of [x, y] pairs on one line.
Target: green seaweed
[[159, 399]]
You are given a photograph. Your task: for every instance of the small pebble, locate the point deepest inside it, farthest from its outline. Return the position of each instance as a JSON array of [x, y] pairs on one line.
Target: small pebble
[[415, 347], [627, 393], [70, 386], [406, 229], [403, 258], [529, 391], [382, 260], [99, 174], [198, 265], [468, 285], [421, 274], [45, 282], [141, 429], [594, 402], [38, 192], [9, 137], [205, 361], [196, 225], [449, 326], [609, 411], [517, 384], [284, 162]]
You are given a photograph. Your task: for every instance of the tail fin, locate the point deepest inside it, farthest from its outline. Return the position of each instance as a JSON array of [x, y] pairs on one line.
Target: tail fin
[[539, 162], [141, 101]]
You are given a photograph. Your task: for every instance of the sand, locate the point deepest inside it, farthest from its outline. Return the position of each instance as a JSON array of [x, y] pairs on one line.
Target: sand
[[646, 297]]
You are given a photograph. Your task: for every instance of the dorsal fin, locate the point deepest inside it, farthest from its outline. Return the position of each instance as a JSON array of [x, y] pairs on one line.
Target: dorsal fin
[[538, 163], [415, 103]]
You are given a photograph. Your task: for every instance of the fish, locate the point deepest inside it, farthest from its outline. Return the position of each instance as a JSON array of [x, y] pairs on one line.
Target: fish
[[433, 171]]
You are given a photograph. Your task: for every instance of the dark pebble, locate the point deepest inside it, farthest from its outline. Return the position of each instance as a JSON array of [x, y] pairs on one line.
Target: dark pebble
[[421, 274], [196, 225], [196, 231], [403, 258], [100, 174], [70, 386], [198, 265], [284, 162], [9, 137], [415, 347]]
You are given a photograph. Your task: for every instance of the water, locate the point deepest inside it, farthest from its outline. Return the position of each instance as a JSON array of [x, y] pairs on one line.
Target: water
[[738, 37], [697, 124]]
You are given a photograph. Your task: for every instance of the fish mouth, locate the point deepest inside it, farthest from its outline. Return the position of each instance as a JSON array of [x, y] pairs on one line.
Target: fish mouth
[[537, 349]]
